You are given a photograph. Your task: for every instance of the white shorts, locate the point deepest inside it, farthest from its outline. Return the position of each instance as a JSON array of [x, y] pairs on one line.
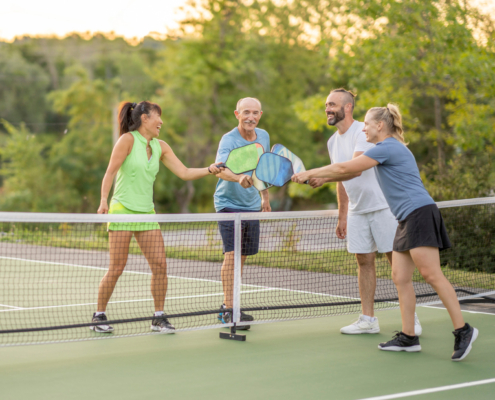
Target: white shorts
[[369, 232]]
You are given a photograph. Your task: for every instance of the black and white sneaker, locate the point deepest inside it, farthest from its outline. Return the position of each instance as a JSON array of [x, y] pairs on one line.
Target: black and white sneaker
[[245, 318], [161, 324], [464, 339], [101, 328], [401, 342]]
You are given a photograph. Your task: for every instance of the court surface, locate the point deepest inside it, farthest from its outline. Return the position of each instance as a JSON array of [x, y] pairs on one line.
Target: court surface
[[306, 359], [39, 293]]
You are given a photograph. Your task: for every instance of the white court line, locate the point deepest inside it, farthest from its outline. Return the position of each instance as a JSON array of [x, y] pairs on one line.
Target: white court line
[[5, 305], [431, 390], [104, 269], [467, 311], [182, 277], [244, 284], [122, 301]]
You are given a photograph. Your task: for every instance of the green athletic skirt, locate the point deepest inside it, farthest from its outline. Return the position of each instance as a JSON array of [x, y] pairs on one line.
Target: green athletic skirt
[[117, 208]]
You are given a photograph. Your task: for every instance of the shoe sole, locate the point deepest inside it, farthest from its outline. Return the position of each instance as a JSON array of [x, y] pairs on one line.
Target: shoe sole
[[97, 330], [158, 329], [369, 331], [473, 338], [410, 349], [243, 327]]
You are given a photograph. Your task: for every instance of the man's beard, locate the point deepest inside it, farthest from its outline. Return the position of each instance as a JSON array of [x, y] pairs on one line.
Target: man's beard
[[339, 116]]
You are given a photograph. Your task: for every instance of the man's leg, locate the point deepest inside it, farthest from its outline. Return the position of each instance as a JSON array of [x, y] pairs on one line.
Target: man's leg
[[361, 243], [367, 282], [228, 278]]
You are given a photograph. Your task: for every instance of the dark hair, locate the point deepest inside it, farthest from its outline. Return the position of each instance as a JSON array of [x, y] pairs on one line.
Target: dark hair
[[130, 114], [350, 96]]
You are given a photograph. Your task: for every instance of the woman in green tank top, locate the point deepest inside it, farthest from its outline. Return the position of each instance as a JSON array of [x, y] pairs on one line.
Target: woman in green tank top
[[135, 162]]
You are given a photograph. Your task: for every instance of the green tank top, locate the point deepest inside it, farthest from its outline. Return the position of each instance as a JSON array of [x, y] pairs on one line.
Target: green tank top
[[136, 176]]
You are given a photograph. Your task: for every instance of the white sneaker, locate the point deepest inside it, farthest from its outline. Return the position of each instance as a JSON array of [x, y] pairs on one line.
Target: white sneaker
[[418, 330], [361, 326]]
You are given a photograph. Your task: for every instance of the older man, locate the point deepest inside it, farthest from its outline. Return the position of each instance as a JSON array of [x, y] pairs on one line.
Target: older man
[[235, 193], [364, 215]]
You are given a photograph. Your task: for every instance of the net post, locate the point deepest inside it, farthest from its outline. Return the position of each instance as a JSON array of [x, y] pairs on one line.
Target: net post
[[236, 314], [236, 305]]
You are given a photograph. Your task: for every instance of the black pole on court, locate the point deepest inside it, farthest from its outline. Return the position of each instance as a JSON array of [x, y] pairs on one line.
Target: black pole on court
[[232, 335]]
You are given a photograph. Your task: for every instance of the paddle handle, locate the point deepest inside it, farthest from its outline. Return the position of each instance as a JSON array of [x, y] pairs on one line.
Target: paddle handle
[[221, 165]]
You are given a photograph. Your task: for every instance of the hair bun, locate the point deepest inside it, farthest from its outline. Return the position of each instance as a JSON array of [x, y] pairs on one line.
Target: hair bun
[[133, 105]]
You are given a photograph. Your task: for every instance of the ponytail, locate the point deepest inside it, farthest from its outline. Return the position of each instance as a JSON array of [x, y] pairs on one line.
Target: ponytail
[[392, 118], [130, 114]]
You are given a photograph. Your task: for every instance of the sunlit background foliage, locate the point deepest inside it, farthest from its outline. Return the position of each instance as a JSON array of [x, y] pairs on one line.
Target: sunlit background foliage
[[435, 59]]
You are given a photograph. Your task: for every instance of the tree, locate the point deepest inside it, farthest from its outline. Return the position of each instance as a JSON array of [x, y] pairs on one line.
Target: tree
[[24, 87], [82, 155], [30, 182], [235, 52], [426, 57]]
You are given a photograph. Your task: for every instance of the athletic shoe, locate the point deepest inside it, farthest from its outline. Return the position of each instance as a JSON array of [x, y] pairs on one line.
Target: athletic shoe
[[401, 342], [418, 330], [224, 317], [464, 339], [362, 325], [245, 318], [101, 328], [161, 324]]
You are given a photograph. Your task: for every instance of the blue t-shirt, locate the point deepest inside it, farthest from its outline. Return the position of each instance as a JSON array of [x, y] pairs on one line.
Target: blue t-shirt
[[231, 194], [398, 176]]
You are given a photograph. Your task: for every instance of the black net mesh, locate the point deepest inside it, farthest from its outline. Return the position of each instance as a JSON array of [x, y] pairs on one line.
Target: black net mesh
[[54, 276]]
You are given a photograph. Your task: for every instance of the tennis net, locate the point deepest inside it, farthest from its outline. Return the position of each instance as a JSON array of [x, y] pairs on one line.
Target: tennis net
[[51, 266]]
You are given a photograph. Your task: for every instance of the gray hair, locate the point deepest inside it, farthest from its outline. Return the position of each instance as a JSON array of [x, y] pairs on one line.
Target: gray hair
[[246, 98]]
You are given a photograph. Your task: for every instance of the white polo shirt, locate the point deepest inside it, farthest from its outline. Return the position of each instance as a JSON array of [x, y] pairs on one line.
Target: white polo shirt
[[363, 191]]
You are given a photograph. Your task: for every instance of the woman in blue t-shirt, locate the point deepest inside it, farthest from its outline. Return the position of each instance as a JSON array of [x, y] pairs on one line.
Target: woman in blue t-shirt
[[421, 233]]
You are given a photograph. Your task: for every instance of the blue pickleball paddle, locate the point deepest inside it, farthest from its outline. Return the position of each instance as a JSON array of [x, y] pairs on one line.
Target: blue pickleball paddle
[[274, 169]]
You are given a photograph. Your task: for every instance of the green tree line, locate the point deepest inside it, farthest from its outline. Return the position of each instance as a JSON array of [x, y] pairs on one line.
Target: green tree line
[[435, 59]]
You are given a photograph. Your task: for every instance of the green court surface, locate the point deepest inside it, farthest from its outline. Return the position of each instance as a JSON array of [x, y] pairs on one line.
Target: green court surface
[[307, 359], [36, 294]]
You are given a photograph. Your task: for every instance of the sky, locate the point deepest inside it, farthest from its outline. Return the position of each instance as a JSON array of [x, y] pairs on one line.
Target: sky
[[129, 18]]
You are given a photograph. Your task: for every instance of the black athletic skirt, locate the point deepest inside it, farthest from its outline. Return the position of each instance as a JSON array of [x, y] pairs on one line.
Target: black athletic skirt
[[423, 227]]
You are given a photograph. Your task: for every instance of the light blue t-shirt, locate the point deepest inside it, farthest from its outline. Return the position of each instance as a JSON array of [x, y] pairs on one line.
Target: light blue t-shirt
[[398, 176], [231, 194]]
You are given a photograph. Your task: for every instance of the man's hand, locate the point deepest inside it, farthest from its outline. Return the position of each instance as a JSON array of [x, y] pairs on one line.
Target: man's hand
[[301, 177], [245, 181], [341, 230], [265, 205], [317, 182]]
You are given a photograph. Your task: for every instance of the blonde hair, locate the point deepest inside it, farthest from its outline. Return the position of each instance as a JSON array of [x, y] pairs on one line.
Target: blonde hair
[[392, 118]]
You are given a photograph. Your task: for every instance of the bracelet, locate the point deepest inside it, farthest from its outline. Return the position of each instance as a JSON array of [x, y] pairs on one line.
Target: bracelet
[[209, 170]]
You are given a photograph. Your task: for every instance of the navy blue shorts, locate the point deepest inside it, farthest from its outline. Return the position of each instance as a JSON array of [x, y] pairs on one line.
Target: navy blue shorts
[[250, 235]]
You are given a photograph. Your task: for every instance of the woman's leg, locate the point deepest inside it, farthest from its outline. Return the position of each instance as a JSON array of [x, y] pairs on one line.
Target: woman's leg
[[427, 259], [153, 248], [402, 272], [119, 250]]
